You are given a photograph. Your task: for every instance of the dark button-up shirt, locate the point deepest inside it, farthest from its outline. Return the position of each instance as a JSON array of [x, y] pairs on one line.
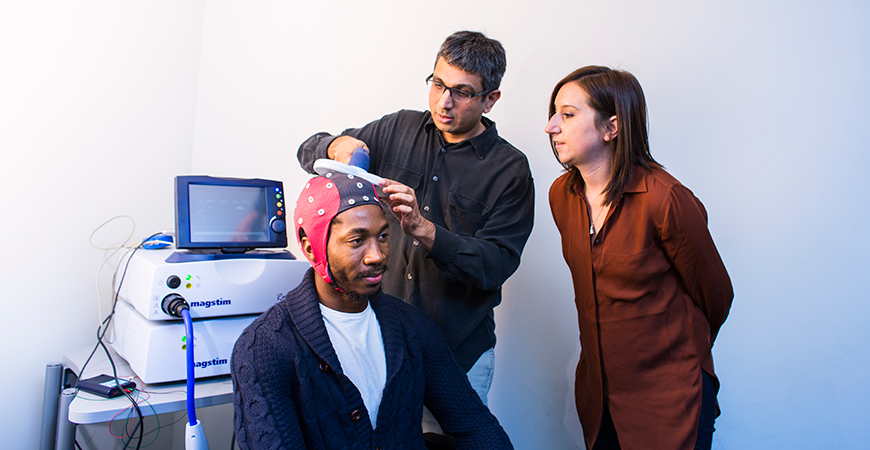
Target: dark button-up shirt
[[479, 193]]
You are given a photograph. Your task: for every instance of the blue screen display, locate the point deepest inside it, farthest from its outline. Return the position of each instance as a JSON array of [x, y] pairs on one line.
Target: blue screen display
[[228, 214]]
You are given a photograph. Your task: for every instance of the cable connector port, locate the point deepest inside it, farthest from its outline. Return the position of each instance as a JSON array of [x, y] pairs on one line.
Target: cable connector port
[[173, 304]]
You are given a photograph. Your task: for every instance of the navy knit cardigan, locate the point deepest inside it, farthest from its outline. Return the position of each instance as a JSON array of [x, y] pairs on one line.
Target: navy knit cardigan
[[290, 391]]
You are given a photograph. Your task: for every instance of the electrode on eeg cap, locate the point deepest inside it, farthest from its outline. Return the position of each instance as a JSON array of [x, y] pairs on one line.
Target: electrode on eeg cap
[[323, 198]]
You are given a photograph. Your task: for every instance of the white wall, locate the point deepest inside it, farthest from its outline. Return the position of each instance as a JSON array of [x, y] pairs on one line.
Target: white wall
[[758, 107], [97, 105]]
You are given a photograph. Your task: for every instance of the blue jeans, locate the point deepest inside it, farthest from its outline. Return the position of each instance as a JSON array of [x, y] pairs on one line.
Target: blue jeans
[[481, 373], [607, 439], [480, 376]]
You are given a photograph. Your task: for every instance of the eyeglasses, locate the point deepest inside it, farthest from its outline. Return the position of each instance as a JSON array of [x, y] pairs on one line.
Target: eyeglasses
[[457, 94]]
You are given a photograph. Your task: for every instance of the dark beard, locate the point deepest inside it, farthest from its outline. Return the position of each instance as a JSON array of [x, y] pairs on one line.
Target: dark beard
[[342, 280], [356, 297]]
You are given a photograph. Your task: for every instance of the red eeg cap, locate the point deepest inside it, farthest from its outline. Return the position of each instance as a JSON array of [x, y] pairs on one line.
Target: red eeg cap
[[323, 198]]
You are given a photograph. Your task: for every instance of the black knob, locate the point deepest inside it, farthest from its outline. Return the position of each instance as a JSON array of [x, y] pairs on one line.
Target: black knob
[[173, 282], [278, 225]]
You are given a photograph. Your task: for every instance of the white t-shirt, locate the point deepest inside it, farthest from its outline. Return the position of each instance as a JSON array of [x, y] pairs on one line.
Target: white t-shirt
[[357, 340]]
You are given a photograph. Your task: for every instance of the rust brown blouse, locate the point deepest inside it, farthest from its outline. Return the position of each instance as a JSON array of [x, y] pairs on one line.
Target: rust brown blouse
[[651, 293]]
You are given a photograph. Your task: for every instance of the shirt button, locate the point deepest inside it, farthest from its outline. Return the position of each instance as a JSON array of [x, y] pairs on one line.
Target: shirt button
[[416, 242], [435, 178], [323, 366], [443, 150], [410, 276], [356, 415], [425, 208], [598, 241]]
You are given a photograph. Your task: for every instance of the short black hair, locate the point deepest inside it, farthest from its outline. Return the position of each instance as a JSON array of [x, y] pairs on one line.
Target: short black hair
[[473, 52]]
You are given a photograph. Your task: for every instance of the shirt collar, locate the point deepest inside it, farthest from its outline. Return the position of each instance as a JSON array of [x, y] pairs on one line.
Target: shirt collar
[[637, 183], [480, 143]]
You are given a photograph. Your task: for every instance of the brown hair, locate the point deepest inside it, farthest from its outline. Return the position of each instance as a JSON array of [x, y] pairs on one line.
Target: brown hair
[[613, 93]]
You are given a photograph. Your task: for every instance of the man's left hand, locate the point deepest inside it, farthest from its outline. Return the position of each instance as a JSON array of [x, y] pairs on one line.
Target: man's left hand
[[402, 201]]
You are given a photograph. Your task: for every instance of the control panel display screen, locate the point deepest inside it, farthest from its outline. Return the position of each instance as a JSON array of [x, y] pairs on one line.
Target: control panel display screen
[[228, 214]]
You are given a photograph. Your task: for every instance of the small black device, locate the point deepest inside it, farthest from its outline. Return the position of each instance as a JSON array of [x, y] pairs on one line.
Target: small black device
[[106, 386], [231, 215]]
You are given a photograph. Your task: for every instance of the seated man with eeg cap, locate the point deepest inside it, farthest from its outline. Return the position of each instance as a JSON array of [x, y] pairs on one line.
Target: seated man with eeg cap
[[337, 364]]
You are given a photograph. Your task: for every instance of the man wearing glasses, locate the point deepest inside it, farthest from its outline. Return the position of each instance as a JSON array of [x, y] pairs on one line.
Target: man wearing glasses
[[462, 196]]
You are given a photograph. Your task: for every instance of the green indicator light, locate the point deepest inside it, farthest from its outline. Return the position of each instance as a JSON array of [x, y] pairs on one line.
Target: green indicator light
[[187, 278], [183, 338]]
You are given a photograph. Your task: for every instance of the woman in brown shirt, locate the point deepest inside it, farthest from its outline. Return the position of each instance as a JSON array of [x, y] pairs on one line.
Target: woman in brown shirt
[[650, 288]]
